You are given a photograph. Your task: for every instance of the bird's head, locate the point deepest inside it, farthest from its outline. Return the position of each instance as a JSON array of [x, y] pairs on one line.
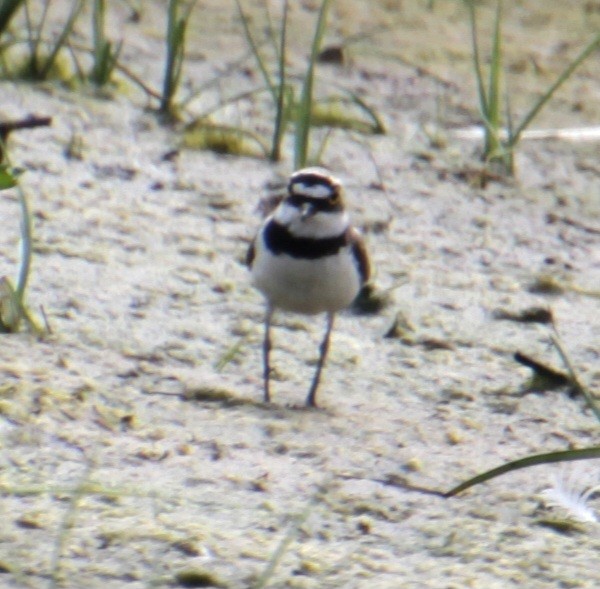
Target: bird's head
[[314, 190], [314, 206]]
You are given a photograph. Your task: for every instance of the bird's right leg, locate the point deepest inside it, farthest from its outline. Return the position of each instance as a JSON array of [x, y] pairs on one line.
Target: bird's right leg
[[266, 353]]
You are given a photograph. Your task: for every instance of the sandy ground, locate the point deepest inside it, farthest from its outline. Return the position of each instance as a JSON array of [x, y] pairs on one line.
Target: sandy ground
[[146, 395]]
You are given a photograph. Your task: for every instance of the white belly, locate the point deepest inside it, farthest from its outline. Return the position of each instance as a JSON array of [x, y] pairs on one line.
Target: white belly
[[321, 285]]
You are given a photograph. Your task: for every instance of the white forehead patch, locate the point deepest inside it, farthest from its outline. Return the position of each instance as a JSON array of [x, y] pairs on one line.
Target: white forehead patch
[[311, 190]]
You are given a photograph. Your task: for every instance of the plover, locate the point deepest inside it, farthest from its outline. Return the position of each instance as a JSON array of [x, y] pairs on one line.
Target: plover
[[307, 258]]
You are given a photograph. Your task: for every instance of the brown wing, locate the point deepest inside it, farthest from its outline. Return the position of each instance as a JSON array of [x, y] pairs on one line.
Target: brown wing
[[359, 251], [251, 253]]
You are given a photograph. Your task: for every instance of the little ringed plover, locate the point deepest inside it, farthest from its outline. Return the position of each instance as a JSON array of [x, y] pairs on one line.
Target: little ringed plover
[[307, 258]]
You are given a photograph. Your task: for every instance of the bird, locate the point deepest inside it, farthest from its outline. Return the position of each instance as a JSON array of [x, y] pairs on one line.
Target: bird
[[308, 258]]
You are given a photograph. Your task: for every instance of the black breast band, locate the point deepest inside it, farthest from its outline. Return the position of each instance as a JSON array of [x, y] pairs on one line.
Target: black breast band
[[280, 241]]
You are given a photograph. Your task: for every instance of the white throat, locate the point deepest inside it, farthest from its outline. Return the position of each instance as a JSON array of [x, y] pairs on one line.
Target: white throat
[[317, 226]]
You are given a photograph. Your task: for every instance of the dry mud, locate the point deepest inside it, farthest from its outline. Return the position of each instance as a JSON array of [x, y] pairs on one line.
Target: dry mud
[[146, 395]]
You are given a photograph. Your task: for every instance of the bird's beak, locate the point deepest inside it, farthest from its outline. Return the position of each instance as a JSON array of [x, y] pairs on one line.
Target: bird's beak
[[307, 211]]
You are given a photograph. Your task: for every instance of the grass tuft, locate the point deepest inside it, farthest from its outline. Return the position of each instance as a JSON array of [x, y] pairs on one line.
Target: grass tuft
[[223, 139], [105, 56], [43, 55], [13, 310], [305, 106], [499, 142], [293, 95], [177, 22], [281, 91]]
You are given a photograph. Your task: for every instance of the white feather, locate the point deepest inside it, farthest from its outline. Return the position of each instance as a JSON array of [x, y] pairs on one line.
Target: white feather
[[572, 492]]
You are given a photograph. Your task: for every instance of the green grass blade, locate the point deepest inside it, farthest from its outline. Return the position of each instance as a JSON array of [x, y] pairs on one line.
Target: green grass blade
[[10, 308], [26, 239], [271, 34], [76, 8], [489, 99], [12, 300], [7, 11], [573, 375], [98, 19], [7, 178], [534, 460], [493, 144], [281, 115], [281, 549], [495, 71], [173, 40], [230, 354], [105, 57], [509, 153], [65, 528], [255, 51], [109, 62], [176, 30], [306, 97], [34, 37], [563, 77], [377, 124], [483, 101], [183, 23]]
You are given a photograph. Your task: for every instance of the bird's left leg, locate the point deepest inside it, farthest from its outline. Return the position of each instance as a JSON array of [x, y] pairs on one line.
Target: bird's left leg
[[311, 400]]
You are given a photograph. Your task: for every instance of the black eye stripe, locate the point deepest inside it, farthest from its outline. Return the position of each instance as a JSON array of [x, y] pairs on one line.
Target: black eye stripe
[[298, 200], [311, 181]]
